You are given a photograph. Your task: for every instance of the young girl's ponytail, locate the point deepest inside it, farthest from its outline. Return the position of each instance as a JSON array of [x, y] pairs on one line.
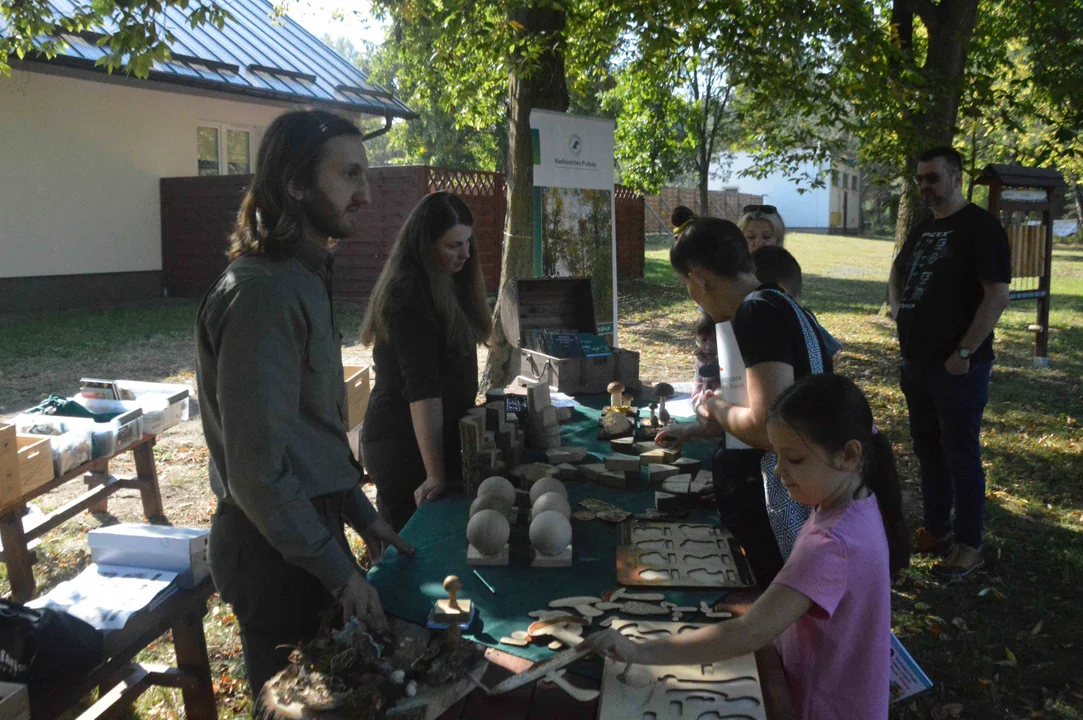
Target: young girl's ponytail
[[831, 410]]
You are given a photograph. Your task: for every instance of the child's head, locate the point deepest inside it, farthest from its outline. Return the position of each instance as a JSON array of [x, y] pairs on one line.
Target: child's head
[[775, 264], [822, 430], [710, 254], [705, 333]]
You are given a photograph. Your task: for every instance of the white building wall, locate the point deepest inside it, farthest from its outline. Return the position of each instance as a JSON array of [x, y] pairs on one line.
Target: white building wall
[[80, 163], [810, 209]]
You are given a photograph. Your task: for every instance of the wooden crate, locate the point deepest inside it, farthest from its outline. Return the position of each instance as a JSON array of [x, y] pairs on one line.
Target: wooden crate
[[10, 491], [358, 386], [35, 462]]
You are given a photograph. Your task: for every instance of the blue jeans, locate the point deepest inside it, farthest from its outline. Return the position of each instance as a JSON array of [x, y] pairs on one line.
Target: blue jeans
[[945, 425]]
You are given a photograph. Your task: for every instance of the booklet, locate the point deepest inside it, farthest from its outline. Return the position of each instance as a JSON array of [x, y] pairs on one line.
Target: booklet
[[107, 595], [907, 679]]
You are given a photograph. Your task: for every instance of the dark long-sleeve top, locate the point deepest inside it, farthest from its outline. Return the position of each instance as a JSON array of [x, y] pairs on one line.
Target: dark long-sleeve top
[[269, 371], [418, 363]]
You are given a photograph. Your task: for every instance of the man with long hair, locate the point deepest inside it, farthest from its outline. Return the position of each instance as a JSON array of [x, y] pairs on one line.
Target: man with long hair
[[269, 370]]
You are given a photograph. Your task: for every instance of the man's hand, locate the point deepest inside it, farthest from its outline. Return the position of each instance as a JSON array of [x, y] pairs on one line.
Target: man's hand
[[379, 535], [957, 365], [360, 600], [432, 488]]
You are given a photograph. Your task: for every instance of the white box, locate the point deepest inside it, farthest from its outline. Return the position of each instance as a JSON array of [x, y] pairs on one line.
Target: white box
[[176, 394], [14, 701], [157, 547], [158, 413]]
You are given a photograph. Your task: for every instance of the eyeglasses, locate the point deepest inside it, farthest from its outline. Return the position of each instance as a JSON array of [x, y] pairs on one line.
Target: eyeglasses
[[766, 209], [932, 178]]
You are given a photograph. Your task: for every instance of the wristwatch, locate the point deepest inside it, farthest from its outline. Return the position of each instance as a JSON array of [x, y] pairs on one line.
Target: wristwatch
[[964, 353]]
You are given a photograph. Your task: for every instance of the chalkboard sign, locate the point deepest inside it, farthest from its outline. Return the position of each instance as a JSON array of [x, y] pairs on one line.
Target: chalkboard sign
[[514, 404]]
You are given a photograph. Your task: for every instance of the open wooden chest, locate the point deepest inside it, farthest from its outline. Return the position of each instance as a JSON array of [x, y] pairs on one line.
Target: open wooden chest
[[534, 304]]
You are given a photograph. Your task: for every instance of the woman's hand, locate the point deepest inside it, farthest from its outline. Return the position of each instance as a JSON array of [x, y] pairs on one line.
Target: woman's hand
[[611, 644], [677, 434], [432, 488], [379, 535]]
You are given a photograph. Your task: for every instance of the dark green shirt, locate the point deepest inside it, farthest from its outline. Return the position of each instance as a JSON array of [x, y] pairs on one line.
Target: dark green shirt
[[269, 370]]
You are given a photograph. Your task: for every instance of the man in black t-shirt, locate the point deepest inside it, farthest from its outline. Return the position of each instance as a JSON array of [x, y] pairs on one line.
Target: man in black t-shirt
[[948, 288]]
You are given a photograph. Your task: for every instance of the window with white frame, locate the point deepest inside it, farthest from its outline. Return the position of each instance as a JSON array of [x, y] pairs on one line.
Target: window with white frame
[[223, 150]]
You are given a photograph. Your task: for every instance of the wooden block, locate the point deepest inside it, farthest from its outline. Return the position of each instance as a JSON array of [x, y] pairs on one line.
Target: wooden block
[[657, 473], [480, 415], [591, 471], [567, 471], [622, 463], [624, 445], [14, 701], [642, 447], [537, 394], [495, 417], [666, 502], [544, 418], [564, 414], [654, 457], [613, 479], [475, 558], [445, 613], [686, 465], [677, 485], [566, 455], [564, 559]]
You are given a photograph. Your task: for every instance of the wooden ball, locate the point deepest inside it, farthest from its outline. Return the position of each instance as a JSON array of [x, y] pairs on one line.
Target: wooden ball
[[551, 501], [546, 485], [488, 531], [550, 533], [497, 485], [489, 502]]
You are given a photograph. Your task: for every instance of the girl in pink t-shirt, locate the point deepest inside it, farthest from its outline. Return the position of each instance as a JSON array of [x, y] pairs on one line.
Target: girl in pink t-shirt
[[828, 611]]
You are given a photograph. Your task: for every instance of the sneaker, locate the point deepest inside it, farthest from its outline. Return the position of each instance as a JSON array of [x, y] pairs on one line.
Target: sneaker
[[962, 562], [926, 543]]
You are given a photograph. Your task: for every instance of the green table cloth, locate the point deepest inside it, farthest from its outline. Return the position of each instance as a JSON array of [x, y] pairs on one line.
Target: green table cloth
[[409, 586]]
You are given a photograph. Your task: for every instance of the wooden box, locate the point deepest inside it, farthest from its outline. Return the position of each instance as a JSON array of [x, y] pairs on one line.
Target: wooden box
[[10, 491], [358, 386], [540, 303], [35, 461]]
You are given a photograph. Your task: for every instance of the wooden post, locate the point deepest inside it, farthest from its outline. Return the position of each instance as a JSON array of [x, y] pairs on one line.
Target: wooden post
[[97, 473], [1041, 341], [148, 473], [191, 646], [16, 555]]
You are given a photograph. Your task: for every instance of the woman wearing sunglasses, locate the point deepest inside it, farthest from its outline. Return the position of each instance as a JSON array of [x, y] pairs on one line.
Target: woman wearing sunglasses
[[762, 226]]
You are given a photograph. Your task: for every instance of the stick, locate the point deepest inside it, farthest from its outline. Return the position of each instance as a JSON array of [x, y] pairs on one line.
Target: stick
[[485, 583]]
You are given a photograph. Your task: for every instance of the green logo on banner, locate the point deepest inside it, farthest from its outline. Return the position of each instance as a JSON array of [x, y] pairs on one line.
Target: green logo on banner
[[605, 328], [535, 136]]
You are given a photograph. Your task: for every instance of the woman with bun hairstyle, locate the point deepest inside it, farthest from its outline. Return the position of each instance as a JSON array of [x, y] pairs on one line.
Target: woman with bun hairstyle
[[780, 345]]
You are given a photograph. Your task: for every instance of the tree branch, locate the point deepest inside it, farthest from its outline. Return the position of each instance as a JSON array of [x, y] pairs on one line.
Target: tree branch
[[927, 10]]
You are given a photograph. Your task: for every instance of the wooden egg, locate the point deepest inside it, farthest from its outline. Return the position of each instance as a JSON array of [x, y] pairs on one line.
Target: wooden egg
[[550, 533], [497, 485], [551, 501], [488, 531], [546, 485], [489, 502]]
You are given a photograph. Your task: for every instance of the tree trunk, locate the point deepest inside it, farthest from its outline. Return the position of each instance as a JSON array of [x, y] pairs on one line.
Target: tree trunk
[[544, 88], [704, 177], [1077, 200]]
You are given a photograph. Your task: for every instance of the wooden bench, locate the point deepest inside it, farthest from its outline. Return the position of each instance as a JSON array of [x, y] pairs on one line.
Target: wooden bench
[[17, 539], [121, 681]]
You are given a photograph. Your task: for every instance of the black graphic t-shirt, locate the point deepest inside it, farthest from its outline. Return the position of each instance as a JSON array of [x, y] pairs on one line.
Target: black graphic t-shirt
[[941, 268]]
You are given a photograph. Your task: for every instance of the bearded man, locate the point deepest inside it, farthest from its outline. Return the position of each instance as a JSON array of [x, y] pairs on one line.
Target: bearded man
[[269, 371]]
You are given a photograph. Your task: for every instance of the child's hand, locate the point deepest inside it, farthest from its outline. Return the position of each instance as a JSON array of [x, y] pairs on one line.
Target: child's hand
[[676, 435], [611, 644]]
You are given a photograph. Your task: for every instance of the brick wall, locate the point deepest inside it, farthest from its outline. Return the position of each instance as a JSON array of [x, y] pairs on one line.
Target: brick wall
[[198, 215]]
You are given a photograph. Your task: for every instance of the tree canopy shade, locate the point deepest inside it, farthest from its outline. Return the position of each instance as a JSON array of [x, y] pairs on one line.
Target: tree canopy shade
[[134, 32]]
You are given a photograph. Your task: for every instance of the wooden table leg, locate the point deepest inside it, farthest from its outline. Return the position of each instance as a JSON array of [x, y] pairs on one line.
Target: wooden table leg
[[191, 647], [146, 471], [16, 555], [97, 473]]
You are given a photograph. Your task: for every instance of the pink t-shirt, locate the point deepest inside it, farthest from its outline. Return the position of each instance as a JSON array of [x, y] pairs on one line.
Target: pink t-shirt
[[837, 657]]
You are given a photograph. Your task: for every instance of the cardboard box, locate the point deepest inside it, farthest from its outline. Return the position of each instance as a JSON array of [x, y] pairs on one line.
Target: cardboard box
[[158, 547], [14, 701], [541, 303], [358, 387], [35, 462]]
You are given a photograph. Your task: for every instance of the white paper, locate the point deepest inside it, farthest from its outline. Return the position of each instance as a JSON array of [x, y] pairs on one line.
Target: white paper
[[107, 595], [559, 399], [906, 677], [731, 369]]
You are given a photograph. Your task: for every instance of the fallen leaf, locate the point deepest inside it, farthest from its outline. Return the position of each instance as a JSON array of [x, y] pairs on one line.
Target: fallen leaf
[[1037, 628], [921, 606], [1011, 657], [983, 592], [952, 710]]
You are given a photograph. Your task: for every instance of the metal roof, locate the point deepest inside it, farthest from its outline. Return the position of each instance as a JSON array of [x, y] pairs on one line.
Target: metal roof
[[253, 55], [1020, 176]]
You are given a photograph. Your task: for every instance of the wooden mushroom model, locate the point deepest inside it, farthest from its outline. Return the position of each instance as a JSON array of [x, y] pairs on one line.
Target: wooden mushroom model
[[616, 394], [663, 391]]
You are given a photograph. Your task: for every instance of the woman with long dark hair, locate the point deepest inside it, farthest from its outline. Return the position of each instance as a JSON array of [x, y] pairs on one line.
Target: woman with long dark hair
[[425, 318]]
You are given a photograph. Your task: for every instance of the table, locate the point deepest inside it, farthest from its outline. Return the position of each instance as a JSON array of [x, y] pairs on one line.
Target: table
[[17, 553], [121, 681], [409, 586]]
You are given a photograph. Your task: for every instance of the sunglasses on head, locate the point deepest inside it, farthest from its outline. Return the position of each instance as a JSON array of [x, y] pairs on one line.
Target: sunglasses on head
[[767, 209], [932, 178]]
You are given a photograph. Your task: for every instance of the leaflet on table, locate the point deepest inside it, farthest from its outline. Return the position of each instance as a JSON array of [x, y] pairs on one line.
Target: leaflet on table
[[906, 677], [107, 595], [731, 374], [559, 399]]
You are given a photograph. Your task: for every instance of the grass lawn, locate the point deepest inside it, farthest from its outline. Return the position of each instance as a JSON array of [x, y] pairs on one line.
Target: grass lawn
[[1000, 645]]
